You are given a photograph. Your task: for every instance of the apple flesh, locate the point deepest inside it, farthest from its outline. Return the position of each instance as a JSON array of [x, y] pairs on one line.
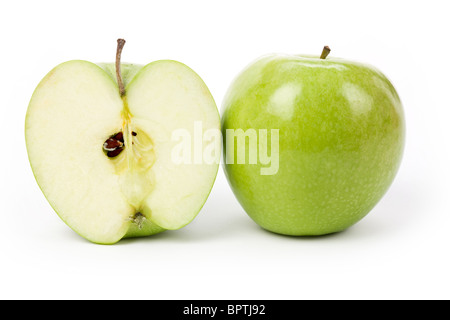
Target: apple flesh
[[341, 137], [103, 160]]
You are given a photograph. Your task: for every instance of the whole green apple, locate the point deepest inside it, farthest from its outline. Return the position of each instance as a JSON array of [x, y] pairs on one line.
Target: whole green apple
[[318, 141]]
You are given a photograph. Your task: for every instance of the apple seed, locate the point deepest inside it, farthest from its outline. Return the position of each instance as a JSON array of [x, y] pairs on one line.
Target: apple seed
[[114, 145], [118, 136]]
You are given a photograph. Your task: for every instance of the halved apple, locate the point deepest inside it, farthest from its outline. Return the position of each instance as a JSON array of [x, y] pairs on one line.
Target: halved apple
[[100, 141]]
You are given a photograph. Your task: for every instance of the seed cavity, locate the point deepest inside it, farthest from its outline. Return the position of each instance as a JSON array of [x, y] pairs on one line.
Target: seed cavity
[[115, 144]]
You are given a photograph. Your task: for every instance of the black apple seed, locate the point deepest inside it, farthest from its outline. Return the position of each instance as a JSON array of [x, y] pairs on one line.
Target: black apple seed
[[112, 144], [119, 136], [115, 153]]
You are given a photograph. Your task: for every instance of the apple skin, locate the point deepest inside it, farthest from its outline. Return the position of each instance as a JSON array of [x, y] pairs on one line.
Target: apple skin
[[341, 139]]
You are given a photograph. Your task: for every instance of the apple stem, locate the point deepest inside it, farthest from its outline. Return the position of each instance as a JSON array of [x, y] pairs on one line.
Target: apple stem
[[326, 51], [120, 45]]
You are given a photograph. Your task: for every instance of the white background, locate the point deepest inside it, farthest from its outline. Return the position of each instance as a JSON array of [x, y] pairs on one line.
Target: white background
[[401, 250]]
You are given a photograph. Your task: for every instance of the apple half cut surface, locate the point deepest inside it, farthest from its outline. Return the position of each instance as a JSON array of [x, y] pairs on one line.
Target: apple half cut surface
[[100, 144]]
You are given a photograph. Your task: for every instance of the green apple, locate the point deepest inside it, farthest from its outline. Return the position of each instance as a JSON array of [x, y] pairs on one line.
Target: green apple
[[99, 140], [329, 135]]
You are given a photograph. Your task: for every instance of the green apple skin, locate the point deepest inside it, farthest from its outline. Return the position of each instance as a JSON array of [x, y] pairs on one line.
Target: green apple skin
[[341, 139]]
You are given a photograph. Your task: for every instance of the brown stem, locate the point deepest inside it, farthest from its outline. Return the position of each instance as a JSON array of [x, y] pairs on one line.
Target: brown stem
[[326, 51], [120, 44]]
